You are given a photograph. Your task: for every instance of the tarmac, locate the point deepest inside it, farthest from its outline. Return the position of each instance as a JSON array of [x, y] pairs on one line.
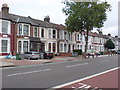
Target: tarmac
[[13, 62]]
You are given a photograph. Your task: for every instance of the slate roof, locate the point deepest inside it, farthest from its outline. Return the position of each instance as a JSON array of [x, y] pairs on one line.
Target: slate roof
[[36, 22], [28, 20]]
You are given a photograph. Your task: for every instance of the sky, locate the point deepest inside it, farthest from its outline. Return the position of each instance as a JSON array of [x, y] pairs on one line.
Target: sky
[[38, 9]]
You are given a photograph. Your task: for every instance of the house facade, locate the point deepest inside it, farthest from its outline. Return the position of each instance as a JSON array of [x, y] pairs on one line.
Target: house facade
[[19, 34]]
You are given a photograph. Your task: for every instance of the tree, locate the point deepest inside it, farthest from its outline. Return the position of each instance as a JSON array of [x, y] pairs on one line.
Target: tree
[[84, 16], [109, 44]]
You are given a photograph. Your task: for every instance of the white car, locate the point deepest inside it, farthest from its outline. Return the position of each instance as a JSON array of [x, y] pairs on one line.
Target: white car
[[31, 55]]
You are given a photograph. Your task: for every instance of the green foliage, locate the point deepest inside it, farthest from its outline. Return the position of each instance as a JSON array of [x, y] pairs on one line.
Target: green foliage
[[85, 15], [79, 51], [109, 44]]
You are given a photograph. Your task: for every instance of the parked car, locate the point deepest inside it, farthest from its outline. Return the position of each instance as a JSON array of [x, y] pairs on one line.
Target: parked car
[[90, 54], [118, 52], [46, 55], [31, 55]]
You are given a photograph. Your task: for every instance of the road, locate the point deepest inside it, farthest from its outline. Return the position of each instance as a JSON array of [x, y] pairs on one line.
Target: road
[[53, 74]]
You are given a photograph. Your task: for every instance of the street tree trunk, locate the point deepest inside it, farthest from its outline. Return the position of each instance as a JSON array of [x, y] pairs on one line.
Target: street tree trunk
[[86, 42]]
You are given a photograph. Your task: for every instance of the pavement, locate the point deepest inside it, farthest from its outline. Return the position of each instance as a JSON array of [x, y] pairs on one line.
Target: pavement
[[13, 62]]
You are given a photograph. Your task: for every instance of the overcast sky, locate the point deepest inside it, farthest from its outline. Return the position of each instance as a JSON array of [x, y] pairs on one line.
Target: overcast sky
[[38, 9]]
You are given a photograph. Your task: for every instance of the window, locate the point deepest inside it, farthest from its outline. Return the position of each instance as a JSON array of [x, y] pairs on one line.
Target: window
[[77, 37], [26, 30], [20, 29], [81, 37], [80, 46], [61, 47], [35, 32], [61, 35], [65, 34], [69, 36], [42, 33], [25, 46], [54, 33], [65, 47], [19, 46], [4, 45], [5, 27], [49, 33], [54, 47], [89, 46], [49, 47]]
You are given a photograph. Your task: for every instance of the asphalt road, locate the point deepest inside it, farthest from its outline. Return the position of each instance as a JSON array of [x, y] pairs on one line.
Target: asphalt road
[[53, 74]]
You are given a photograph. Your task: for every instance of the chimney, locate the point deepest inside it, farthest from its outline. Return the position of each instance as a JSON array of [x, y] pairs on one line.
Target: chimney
[[116, 36], [100, 32], [109, 35], [47, 18], [5, 8]]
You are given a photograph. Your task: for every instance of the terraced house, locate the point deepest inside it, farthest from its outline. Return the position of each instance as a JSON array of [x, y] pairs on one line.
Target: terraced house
[[19, 34]]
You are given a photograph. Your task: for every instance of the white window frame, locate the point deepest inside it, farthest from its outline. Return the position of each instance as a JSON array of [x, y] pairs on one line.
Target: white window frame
[[22, 40], [34, 31], [9, 26], [49, 33], [8, 45], [23, 24]]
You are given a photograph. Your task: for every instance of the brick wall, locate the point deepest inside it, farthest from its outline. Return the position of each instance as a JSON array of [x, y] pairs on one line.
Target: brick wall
[[65, 54]]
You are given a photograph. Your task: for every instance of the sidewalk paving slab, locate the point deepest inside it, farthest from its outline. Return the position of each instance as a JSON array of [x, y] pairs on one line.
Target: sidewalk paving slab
[[12, 62]]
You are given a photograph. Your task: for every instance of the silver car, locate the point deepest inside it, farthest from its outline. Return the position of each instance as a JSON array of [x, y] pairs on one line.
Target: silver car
[[31, 55]]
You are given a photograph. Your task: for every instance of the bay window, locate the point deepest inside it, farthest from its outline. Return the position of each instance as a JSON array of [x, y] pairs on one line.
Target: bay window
[[49, 33], [42, 33], [4, 46], [35, 31], [23, 29], [25, 46], [5, 27], [54, 33], [26, 30]]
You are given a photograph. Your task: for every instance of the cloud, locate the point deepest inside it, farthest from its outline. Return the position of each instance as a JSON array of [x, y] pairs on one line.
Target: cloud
[[112, 30]]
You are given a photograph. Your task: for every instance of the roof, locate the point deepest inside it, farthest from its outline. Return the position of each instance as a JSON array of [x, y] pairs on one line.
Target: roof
[[28, 20], [60, 26]]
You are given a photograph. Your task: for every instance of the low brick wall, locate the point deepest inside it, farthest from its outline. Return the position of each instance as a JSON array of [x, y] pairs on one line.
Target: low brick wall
[[65, 54]]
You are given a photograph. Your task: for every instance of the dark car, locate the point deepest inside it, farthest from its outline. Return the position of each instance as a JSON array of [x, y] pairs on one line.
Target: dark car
[[46, 55]]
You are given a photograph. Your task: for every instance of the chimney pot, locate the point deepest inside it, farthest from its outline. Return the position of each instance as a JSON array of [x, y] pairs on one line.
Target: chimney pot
[[47, 18], [5, 8]]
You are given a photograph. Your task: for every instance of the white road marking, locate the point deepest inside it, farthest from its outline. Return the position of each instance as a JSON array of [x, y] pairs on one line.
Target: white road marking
[[73, 87], [88, 77], [76, 65], [83, 85], [28, 72], [104, 60]]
